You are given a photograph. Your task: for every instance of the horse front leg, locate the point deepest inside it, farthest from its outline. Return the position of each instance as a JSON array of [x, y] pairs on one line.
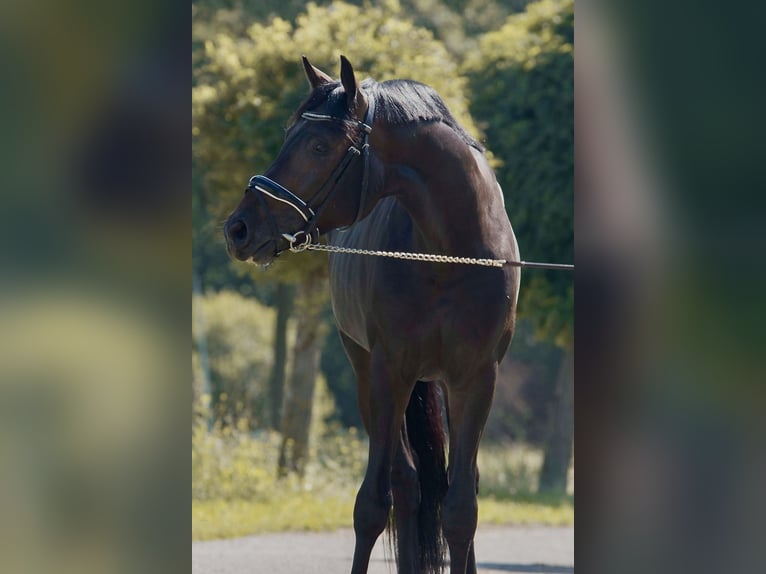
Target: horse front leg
[[469, 403], [388, 396]]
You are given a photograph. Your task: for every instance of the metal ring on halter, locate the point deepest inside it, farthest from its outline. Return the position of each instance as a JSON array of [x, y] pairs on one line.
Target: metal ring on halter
[[295, 245]]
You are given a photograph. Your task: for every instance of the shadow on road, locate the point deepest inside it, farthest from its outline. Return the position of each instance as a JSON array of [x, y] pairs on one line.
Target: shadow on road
[[526, 568]]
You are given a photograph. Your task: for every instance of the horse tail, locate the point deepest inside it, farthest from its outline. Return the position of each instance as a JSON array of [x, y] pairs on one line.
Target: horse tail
[[425, 431]]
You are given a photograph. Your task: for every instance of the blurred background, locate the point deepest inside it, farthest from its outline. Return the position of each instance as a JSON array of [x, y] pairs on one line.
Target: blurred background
[[95, 377], [274, 394], [94, 275]]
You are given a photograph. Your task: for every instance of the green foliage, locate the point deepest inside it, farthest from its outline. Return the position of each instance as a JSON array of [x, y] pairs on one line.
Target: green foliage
[[459, 23], [522, 79], [239, 333], [484, 15], [232, 463], [509, 471], [239, 338], [261, 10]]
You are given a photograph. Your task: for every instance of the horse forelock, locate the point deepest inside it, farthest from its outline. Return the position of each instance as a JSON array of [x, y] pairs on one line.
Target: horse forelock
[[330, 99]]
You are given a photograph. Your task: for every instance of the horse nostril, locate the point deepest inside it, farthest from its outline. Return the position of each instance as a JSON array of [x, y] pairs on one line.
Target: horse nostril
[[238, 232]]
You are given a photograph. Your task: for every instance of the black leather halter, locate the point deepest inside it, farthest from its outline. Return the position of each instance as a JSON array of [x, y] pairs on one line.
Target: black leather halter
[[265, 187]]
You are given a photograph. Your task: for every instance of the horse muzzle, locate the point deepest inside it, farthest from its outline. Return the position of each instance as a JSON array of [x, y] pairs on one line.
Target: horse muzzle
[[242, 244]]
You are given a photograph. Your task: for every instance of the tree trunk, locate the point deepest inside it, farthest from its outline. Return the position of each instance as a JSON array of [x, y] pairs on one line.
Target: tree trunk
[[284, 299], [558, 448], [299, 394]]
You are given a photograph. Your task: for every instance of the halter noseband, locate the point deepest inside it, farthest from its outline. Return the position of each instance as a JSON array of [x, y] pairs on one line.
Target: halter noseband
[[265, 187]]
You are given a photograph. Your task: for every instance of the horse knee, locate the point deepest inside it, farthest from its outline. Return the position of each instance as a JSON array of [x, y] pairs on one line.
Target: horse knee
[[371, 511]]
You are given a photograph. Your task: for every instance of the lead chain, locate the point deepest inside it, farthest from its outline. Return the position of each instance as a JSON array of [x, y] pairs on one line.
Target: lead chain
[[411, 256]]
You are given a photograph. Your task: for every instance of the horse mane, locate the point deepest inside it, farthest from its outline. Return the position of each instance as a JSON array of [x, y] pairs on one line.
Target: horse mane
[[397, 102], [401, 102]]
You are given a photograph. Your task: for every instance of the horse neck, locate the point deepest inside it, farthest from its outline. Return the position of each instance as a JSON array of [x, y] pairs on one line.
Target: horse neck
[[448, 190]]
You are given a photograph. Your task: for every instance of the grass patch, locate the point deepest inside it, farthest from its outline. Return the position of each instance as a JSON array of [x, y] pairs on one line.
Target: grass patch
[[235, 491], [219, 519], [508, 471], [546, 512]]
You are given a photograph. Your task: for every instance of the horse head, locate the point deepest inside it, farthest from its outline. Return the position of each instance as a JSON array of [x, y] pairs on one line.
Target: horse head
[[319, 180]]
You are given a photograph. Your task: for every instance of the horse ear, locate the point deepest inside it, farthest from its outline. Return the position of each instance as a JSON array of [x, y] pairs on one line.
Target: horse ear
[[348, 79], [316, 77]]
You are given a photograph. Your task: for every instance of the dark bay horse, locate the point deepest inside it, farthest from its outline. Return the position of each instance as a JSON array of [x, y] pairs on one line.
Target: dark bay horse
[[385, 166]]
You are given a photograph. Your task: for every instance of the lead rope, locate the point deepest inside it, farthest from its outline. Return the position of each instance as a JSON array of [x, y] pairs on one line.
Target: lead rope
[[434, 258]]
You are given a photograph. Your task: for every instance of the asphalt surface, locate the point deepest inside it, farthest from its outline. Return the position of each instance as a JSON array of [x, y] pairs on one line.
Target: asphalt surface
[[520, 550]]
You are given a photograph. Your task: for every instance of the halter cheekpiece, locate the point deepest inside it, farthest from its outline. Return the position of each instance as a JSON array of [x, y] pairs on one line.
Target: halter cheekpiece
[[265, 187]]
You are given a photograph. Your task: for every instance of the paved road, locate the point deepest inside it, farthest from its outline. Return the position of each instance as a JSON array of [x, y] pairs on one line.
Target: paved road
[[519, 550]]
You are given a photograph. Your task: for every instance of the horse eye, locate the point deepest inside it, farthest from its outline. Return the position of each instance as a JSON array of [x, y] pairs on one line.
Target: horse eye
[[319, 147]]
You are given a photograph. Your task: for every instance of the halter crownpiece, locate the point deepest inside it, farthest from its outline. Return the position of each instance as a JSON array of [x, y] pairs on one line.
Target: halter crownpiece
[[264, 187]]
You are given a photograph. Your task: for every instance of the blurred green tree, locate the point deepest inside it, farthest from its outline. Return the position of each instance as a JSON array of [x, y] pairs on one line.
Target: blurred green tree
[[460, 23], [522, 81]]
